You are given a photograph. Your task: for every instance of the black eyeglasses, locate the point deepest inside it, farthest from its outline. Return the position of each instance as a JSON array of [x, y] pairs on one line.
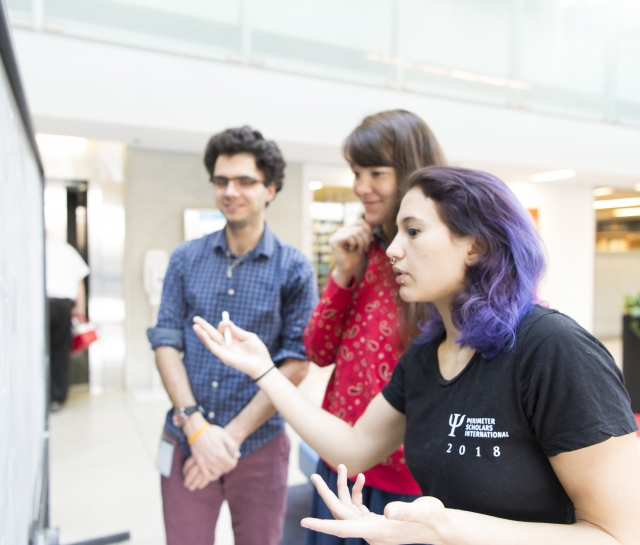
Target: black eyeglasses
[[243, 181]]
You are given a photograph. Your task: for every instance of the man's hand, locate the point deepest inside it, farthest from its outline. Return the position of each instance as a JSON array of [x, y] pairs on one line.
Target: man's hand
[[78, 313], [349, 245], [194, 478], [418, 522], [215, 451]]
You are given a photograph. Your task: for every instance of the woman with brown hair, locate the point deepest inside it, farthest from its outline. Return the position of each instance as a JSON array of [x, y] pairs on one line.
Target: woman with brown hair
[[359, 323]]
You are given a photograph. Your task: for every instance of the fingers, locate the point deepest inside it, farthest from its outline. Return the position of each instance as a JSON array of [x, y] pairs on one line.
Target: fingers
[[238, 333], [207, 470], [231, 447], [209, 343], [367, 231], [343, 488], [350, 244], [203, 482], [366, 224], [194, 478], [227, 453], [359, 241], [200, 473], [200, 482], [351, 499], [356, 493], [209, 336], [341, 528], [338, 509], [210, 470], [355, 238], [191, 472], [189, 463], [223, 462], [361, 245], [209, 329], [189, 479]]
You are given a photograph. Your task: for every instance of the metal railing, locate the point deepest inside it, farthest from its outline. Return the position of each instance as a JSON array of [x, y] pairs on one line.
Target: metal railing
[[566, 57]]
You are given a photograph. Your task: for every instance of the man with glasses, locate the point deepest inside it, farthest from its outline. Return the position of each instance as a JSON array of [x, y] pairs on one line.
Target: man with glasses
[[223, 439]]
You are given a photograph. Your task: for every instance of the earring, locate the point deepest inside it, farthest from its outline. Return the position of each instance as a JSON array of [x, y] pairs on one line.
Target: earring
[[392, 261]]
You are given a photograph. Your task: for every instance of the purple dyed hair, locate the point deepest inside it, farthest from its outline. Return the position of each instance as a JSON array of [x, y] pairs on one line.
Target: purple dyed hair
[[500, 288]]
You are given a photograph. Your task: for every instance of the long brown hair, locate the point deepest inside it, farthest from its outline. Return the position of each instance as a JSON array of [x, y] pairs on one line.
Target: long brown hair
[[402, 140], [398, 139]]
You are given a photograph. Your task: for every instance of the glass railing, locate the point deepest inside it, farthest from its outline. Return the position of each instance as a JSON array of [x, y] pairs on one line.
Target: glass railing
[[566, 57]]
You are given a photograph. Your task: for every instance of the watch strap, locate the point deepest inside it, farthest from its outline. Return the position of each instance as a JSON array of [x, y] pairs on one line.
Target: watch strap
[[188, 411], [181, 414]]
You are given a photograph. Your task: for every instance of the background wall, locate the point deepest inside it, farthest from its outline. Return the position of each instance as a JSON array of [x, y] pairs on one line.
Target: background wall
[[616, 275], [167, 101], [101, 165], [571, 57], [567, 225], [158, 187], [288, 214], [23, 362]]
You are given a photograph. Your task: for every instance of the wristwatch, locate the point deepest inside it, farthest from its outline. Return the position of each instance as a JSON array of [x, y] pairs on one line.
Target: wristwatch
[[180, 415]]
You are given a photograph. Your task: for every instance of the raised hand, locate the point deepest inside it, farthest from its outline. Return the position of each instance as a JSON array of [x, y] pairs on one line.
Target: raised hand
[[246, 353], [349, 246], [422, 521]]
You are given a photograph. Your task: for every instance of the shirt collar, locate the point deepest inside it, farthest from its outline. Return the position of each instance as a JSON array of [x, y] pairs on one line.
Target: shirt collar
[[378, 234], [265, 247], [267, 243]]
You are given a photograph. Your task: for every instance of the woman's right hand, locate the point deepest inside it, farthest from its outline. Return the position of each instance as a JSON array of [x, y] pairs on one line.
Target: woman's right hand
[[349, 246], [246, 353]]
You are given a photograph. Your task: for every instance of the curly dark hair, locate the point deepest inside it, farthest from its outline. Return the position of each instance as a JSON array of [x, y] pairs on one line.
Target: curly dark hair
[[245, 140]]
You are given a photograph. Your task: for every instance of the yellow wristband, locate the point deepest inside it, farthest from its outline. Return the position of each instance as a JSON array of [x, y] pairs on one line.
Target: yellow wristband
[[197, 433]]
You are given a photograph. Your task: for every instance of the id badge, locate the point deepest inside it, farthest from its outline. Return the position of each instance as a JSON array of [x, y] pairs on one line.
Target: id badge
[[165, 458]]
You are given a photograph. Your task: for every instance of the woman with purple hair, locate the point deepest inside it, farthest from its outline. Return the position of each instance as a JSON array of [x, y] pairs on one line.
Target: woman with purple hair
[[515, 420]]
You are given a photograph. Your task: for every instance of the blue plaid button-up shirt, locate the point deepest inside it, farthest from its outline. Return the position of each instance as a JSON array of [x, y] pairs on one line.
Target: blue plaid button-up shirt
[[272, 292]]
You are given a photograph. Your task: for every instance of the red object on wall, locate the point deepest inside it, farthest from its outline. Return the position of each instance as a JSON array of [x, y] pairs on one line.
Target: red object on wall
[[638, 422]]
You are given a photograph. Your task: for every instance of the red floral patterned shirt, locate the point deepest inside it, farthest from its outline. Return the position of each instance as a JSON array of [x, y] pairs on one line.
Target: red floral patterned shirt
[[355, 328]]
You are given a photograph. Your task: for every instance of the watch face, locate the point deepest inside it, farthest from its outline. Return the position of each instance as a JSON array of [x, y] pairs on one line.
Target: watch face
[[178, 419]]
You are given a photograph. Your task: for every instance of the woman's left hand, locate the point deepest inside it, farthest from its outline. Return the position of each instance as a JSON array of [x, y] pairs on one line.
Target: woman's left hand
[[422, 521]]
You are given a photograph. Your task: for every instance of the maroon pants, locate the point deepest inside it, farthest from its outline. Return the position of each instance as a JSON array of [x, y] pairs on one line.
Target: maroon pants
[[256, 491]]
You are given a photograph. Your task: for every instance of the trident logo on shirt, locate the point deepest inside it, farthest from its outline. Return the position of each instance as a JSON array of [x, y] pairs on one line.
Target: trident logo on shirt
[[455, 421]]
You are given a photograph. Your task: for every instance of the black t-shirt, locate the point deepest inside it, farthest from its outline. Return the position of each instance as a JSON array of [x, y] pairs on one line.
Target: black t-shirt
[[481, 441]]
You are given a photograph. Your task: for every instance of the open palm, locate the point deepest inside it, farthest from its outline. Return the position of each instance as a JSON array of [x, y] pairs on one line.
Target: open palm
[[246, 353], [402, 522]]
